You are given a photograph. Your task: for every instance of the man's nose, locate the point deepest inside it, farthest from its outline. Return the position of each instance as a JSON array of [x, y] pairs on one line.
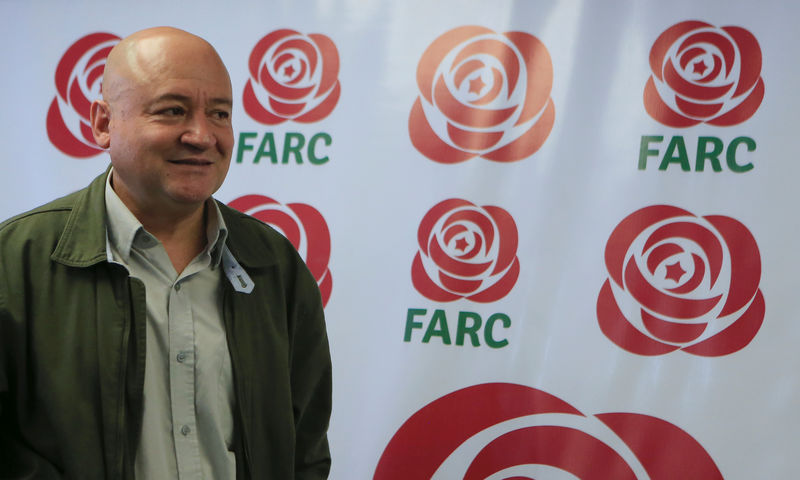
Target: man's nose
[[199, 133]]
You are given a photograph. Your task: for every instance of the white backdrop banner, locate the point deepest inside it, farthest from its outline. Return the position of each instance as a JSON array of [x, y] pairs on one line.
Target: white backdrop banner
[[555, 239]]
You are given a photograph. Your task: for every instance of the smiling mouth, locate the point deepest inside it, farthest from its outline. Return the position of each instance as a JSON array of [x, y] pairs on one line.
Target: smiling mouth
[[191, 162]]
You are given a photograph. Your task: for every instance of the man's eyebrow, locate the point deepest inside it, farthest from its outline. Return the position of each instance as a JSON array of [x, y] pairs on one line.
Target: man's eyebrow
[[185, 98]]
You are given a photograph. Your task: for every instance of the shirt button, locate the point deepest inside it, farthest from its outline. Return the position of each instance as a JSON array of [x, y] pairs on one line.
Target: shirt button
[[177, 287], [181, 357], [185, 430]]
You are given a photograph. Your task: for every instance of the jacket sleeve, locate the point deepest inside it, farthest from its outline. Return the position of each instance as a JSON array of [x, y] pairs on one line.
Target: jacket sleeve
[[311, 382]]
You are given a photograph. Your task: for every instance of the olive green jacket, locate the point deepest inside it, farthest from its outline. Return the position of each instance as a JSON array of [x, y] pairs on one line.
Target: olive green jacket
[[72, 350]]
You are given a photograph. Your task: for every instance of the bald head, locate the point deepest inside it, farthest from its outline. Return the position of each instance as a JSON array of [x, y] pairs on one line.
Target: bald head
[[148, 55], [165, 119]]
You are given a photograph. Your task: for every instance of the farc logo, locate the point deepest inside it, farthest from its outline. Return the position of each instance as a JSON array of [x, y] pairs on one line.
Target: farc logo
[[679, 281], [482, 94], [305, 228], [292, 77], [509, 431], [78, 81], [704, 74], [466, 251]]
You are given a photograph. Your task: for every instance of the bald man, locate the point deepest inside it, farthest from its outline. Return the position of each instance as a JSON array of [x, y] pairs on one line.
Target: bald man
[[147, 330]]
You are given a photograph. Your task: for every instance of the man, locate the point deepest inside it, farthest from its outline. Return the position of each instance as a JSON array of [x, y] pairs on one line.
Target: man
[[146, 330]]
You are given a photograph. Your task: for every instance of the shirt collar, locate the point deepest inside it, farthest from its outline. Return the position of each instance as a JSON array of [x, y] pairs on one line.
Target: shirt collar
[[126, 232]]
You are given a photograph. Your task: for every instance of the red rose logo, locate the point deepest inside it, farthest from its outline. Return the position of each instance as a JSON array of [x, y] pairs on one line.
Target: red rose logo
[[292, 77], [704, 74], [466, 251], [305, 228], [78, 82], [678, 281], [482, 94], [508, 431]]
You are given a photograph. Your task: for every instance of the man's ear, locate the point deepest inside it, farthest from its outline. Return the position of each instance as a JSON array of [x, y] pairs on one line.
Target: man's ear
[[100, 118]]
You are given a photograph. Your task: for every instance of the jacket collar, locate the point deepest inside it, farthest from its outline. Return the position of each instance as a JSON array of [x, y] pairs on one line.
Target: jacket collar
[[83, 241]]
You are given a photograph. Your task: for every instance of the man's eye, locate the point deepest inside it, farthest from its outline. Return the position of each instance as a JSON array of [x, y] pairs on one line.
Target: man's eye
[[221, 115], [173, 111]]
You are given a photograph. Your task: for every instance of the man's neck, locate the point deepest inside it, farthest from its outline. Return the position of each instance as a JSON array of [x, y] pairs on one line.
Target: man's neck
[[183, 237]]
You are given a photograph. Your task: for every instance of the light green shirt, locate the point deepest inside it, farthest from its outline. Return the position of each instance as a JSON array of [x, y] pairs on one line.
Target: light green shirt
[[187, 429]]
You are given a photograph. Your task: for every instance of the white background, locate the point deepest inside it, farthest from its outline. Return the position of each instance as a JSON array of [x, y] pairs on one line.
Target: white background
[[566, 199]]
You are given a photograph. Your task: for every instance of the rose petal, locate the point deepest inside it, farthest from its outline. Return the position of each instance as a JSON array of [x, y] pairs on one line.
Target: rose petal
[[254, 108], [421, 281], [702, 110], [62, 138], [650, 438], [660, 111], [73, 55], [323, 109], [750, 55], [539, 79], [665, 304], [698, 234], [697, 277], [456, 267], [477, 218], [78, 101], [619, 330], [737, 336], [434, 214], [330, 66], [564, 448], [672, 332], [463, 114], [623, 236], [471, 140], [257, 55], [247, 202], [744, 110], [661, 253], [459, 285], [497, 49], [276, 89], [499, 289], [507, 232], [745, 261], [667, 38], [688, 89], [427, 142], [717, 40], [434, 55], [303, 46], [466, 69], [529, 142], [286, 109], [491, 94]]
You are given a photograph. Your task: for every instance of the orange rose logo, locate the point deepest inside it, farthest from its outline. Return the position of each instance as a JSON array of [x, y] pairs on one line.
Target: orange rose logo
[[704, 74], [305, 228], [678, 281], [292, 77], [466, 251], [482, 94], [79, 76]]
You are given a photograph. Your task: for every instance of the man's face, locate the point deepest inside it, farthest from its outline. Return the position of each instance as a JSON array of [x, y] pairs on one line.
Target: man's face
[[170, 127]]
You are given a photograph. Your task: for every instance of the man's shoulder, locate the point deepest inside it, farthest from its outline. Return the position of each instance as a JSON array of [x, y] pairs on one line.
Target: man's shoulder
[[48, 217]]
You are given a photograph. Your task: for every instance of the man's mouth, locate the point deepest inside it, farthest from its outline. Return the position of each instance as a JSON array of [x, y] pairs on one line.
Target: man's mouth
[[191, 161]]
